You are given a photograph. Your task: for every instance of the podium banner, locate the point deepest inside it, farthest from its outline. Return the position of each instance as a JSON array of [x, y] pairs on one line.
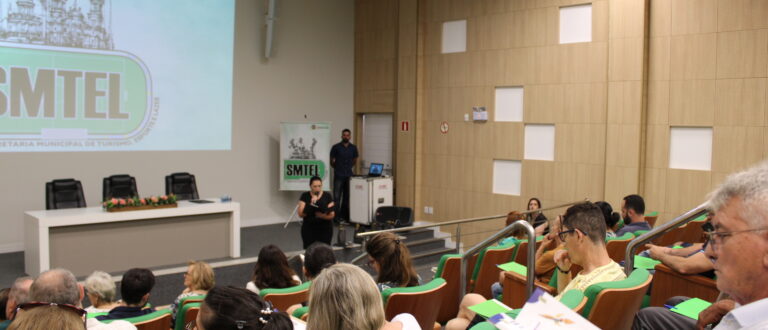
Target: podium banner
[[304, 152]]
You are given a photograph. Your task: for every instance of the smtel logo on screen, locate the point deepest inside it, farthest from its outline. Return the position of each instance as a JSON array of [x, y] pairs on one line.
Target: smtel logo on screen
[[63, 84]]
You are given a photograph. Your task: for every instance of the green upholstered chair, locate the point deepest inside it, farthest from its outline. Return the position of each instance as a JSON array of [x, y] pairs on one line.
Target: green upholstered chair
[[186, 313], [486, 271], [284, 298], [422, 301], [612, 305], [617, 246], [300, 312], [448, 269]]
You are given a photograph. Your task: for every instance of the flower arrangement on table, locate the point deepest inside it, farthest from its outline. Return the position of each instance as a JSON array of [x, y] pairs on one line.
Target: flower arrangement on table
[[136, 203]]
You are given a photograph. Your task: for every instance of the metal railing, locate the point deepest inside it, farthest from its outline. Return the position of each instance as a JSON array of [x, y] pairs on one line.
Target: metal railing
[[492, 240], [482, 245], [682, 219]]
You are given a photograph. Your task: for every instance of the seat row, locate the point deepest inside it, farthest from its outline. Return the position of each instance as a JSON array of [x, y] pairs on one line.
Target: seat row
[[68, 193]]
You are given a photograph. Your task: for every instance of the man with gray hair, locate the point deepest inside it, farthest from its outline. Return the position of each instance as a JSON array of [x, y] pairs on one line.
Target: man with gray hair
[[59, 286], [738, 247], [18, 295]]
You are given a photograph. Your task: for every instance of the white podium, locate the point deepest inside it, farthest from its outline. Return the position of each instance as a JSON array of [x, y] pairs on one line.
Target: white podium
[[366, 194]]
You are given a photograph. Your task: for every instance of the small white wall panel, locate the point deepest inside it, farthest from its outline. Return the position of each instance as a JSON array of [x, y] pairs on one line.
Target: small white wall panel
[[576, 24], [507, 176], [509, 104], [454, 37], [540, 141], [690, 148]]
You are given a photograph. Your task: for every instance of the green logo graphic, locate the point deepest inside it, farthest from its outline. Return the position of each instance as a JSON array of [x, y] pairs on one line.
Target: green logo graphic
[[89, 93], [294, 169]]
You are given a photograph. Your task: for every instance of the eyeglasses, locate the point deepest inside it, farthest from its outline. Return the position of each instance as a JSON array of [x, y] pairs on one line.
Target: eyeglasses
[[80, 312], [718, 237], [562, 234]]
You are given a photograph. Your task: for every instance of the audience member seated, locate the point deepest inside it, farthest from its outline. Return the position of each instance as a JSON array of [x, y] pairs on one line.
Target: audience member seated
[[632, 211], [740, 206], [3, 302], [134, 288], [583, 237], [18, 295], [197, 281], [344, 296], [48, 316], [391, 260], [59, 286], [101, 291], [545, 257], [318, 256], [687, 261], [537, 219], [272, 271], [231, 308], [611, 218]]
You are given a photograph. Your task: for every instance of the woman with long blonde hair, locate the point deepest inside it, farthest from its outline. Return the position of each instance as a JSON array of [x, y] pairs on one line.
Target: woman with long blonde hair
[[344, 296]]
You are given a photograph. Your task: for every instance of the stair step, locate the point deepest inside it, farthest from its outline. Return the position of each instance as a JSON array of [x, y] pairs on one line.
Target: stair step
[[418, 234], [431, 257], [425, 245]]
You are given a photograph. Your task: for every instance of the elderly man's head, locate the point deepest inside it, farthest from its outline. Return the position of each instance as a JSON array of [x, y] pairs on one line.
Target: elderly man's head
[[740, 205], [18, 295], [56, 286]]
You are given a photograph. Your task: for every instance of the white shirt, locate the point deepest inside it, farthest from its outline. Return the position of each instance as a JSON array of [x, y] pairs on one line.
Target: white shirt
[[93, 323], [409, 322], [751, 316]]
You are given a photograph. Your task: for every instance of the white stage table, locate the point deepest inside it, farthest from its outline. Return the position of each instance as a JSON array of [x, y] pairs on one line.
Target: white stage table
[[87, 239]]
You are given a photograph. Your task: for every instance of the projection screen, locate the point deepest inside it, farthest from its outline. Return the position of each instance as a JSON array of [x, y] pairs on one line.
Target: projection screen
[[115, 75]]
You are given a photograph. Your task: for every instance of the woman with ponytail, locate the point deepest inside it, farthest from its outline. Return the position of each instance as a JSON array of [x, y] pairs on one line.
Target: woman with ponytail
[[391, 260], [611, 218], [234, 308]]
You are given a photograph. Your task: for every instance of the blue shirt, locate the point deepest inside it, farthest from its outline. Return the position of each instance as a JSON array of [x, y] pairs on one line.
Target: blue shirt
[[4, 325], [345, 157], [633, 227]]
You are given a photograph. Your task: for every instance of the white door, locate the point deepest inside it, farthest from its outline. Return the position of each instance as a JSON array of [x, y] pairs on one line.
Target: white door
[[377, 141]]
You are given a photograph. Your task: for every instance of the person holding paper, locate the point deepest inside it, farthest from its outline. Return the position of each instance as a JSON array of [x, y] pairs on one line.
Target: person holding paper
[[316, 208]]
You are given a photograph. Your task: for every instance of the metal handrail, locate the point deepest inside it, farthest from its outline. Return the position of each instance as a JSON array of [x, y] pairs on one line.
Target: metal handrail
[[490, 241], [682, 219], [462, 221]]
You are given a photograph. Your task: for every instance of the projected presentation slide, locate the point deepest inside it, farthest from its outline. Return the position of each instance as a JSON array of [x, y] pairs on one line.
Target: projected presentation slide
[[116, 75]]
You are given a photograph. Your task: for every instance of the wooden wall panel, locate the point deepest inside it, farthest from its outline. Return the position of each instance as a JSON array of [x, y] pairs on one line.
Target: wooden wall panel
[[612, 100]]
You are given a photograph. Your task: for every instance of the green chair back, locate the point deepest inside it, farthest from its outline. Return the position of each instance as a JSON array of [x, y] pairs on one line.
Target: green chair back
[[158, 314], [92, 315], [284, 298], [422, 301], [448, 269], [637, 277], [181, 314], [300, 312]]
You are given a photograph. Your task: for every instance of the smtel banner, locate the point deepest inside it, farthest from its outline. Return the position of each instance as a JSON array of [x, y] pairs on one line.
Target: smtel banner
[[304, 152]]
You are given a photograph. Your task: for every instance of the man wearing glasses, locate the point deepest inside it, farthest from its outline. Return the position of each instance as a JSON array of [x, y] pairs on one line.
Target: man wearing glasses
[[737, 245]]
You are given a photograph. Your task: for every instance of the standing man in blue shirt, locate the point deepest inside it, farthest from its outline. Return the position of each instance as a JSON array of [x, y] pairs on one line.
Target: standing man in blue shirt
[[343, 160]]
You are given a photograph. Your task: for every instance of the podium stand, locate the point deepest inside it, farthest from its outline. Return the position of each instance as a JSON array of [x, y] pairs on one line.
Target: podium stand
[[366, 194]]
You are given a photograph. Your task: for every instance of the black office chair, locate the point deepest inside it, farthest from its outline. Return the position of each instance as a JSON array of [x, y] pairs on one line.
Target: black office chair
[[64, 194], [393, 217], [183, 185], [119, 186]]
